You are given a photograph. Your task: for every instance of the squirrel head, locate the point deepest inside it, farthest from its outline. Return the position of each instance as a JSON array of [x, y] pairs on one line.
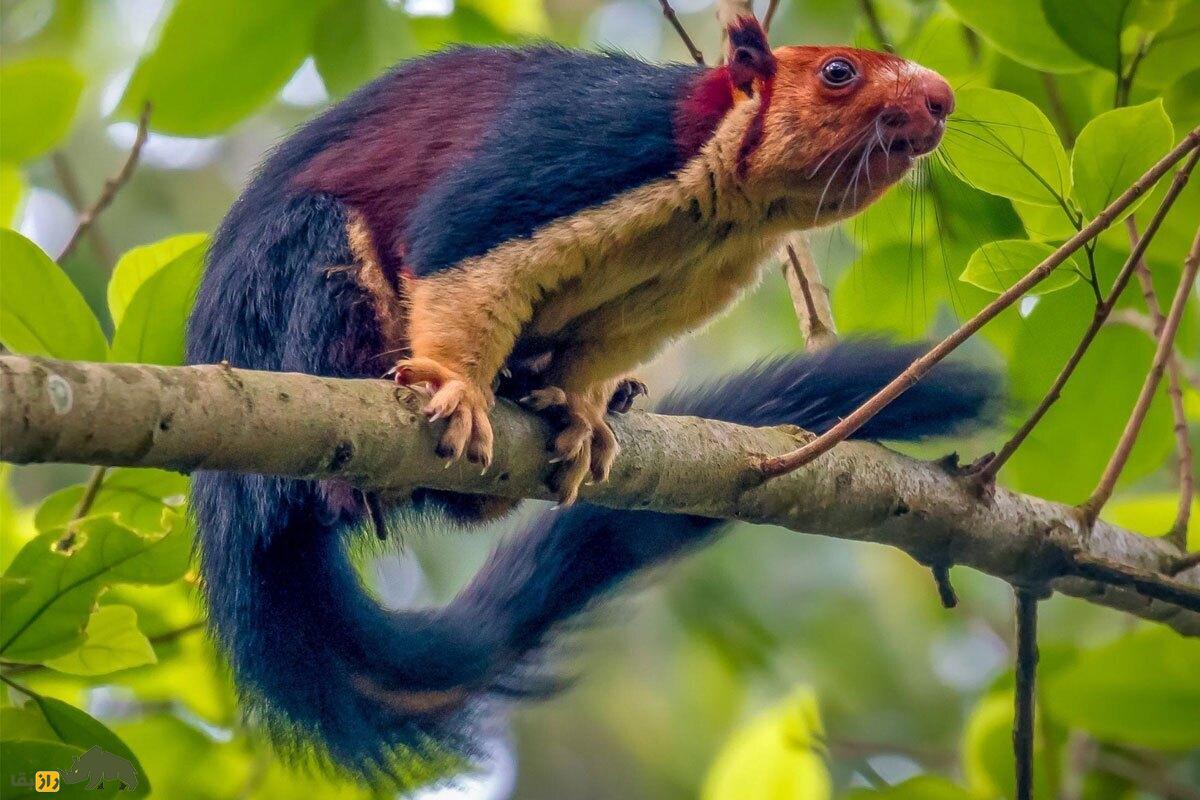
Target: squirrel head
[[837, 123]]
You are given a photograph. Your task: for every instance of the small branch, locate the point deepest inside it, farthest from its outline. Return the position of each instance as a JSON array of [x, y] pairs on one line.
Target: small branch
[[809, 295], [1183, 445], [946, 593], [1143, 323], [1023, 720], [70, 186], [90, 490], [1166, 344], [779, 465], [1147, 584], [1058, 109], [875, 25], [988, 474], [669, 13], [1183, 564], [111, 186], [769, 17]]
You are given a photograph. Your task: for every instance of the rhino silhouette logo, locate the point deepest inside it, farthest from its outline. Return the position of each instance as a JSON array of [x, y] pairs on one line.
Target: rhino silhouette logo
[[97, 766]]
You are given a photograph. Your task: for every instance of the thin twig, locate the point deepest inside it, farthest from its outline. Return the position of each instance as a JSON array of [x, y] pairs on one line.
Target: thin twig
[[1166, 344], [1059, 109], [809, 295], [111, 185], [1183, 445], [768, 17], [876, 25], [69, 181], [989, 471], [669, 13], [1143, 323], [771, 467], [90, 490], [1023, 721], [1148, 584], [1184, 564], [946, 593]]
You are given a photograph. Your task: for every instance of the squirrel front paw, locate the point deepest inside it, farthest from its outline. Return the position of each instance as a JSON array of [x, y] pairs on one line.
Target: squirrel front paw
[[457, 400], [584, 447]]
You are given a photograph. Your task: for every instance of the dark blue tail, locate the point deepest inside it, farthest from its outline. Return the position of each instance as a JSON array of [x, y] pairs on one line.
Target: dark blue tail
[[393, 695]]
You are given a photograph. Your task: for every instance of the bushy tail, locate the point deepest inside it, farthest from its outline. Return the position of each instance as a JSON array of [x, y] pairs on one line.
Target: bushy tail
[[393, 695]]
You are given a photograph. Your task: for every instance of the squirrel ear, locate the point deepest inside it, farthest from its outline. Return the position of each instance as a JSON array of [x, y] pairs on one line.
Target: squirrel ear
[[749, 55]]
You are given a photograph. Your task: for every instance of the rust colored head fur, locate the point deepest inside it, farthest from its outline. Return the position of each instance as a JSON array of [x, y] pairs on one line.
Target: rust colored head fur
[[835, 125]]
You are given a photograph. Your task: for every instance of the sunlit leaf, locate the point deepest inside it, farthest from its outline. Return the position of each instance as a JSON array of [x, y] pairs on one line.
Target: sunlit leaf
[[112, 642], [1140, 690], [1003, 144], [66, 569], [1044, 223], [153, 327], [924, 787], [775, 757], [41, 311], [137, 265], [1182, 101], [40, 98], [1018, 28], [136, 496], [523, 17], [1114, 150], [987, 750], [1153, 515], [382, 36], [218, 61], [1096, 36], [12, 190], [996, 266]]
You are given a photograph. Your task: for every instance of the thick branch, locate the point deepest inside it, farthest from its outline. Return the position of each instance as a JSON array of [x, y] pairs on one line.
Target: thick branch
[[373, 435]]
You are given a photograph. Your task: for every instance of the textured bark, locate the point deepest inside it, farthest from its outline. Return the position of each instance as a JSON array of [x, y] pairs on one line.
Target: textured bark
[[372, 434]]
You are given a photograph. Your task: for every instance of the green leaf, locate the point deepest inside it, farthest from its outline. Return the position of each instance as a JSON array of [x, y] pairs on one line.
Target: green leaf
[[1175, 50], [153, 327], [12, 189], [24, 758], [1003, 144], [987, 750], [775, 756], [1140, 690], [112, 643], [66, 569], [1182, 101], [1067, 451], [137, 265], [1153, 515], [996, 266], [382, 35], [41, 311], [520, 17], [136, 496], [218, 61], [1018, 28], [923, 787], [1044, 223], [1095, 36], [79, 729], [40, 98], [1114, 150]]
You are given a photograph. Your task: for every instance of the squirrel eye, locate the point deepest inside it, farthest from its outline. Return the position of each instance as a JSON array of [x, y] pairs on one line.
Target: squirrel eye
[[838, 72]]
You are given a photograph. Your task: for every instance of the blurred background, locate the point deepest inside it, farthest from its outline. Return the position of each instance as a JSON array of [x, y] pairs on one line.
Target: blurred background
[[773, 664]]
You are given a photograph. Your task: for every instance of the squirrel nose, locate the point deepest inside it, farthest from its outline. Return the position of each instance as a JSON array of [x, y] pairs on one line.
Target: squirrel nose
[[939, 97]]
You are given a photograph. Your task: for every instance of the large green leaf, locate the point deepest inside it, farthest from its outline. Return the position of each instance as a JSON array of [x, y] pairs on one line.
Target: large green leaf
[[1096, 35], [40, 98], [24, 758], [924, 787], [41, 311], [74, 727], [66, 569], [218, 61], [996, 266], [1140, 690], [382, 35], [775, 757], [1175, 50], [1067, 451], [1003, 144], [136, 496], [1114, 150], [1018, 28], [137, 265], [112, 642], [153, 327]]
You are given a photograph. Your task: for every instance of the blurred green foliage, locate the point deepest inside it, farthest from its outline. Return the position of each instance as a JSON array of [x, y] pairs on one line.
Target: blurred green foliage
[[831, 671]]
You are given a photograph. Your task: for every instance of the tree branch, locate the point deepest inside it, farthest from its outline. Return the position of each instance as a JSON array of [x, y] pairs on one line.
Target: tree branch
[[809, 295], [669, 13], [1026, 680], [780, 465], [372, 435]]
